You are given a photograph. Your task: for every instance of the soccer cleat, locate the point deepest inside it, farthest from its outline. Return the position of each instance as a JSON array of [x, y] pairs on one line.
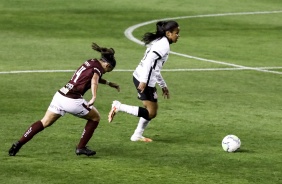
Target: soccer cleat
[[115, 108], [15, 148], [84, 151], [140, 138]]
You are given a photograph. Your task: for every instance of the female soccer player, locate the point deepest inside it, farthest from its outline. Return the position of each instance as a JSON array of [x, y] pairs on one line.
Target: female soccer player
[[69, 99], [147, 74]]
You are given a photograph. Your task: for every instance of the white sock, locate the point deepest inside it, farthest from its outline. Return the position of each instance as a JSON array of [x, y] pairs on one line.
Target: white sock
[[142, 124], [133, 110]]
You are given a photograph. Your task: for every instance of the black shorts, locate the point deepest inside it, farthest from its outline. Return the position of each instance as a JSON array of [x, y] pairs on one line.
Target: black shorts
[[150, 93]]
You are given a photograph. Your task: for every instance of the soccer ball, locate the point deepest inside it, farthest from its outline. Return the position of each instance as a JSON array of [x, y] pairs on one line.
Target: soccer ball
[[231, 143]]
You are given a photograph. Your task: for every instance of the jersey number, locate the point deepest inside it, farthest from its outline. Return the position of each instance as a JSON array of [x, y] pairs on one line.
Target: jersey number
[[78, 73]]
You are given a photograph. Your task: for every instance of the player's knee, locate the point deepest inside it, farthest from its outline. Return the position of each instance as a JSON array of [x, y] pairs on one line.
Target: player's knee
[[46, 123], [96, 118], [92, 123], [152, 115], [93, 116]]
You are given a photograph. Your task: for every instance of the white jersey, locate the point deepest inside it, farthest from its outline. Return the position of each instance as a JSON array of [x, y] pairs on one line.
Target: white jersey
[[149, 69]]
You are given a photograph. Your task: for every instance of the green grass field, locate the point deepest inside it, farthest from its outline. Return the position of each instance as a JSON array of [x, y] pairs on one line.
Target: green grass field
[[230, 83]]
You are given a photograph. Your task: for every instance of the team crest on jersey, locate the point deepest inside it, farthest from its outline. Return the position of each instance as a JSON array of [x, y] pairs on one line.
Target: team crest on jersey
[[155, 95]]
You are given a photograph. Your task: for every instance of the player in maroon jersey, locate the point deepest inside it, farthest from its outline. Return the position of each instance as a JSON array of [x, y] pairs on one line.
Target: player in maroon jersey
[[69, 99]]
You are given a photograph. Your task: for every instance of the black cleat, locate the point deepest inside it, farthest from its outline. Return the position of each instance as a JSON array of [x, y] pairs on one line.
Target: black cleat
[[84, 151], [15, 149]]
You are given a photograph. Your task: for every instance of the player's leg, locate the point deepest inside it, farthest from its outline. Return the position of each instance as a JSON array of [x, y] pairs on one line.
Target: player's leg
[[35, 128], [93, 119], [54, 112], [130, 109], [152, 108], [79, 108], [147, 96]]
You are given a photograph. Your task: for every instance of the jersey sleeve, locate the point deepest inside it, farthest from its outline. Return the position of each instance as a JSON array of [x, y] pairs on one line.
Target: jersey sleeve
[[148, 63], [97, 70], [161, 81], [161, 48]]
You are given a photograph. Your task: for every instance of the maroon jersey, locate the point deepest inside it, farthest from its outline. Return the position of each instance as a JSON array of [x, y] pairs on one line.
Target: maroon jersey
[[81, 79]]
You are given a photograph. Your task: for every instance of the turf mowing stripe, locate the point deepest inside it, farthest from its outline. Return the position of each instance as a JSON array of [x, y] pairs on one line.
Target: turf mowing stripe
[[165, 70], [128, 33]]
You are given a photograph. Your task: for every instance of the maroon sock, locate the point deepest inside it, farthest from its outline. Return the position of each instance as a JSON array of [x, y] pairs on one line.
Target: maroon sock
[[87, 133], [31, 131]]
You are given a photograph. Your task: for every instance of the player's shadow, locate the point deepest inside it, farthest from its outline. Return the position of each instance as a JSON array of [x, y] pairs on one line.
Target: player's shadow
[[244, 151], [171, 139]]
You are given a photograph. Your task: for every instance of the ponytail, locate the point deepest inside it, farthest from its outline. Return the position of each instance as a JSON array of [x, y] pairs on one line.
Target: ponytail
[[161, 28], [107, 55]]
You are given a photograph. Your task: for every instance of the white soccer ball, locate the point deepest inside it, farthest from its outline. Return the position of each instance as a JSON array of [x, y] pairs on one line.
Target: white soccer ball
[[231, 143]]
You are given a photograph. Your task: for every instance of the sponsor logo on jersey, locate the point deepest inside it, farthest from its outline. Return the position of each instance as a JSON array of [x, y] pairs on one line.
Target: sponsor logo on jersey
[[155, 95]]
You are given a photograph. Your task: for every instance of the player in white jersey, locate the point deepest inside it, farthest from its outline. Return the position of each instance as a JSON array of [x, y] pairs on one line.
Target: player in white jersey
[[147, 74]]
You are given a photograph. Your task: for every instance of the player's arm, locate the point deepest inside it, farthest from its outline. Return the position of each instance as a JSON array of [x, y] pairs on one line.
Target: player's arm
[[94, 88], [162, 84], [111, 84], [160, 80]]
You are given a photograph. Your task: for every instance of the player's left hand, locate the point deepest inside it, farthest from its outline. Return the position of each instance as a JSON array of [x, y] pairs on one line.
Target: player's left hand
[[142, 86], [114, 85], [91, 102], [165, 92]]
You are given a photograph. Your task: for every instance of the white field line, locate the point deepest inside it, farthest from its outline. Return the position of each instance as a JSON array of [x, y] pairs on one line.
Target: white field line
[[35, 71], [128, 33], [164, 70]]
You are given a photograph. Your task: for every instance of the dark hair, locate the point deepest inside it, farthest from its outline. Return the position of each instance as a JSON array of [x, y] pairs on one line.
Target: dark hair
[[107, 55], [162, 27]]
